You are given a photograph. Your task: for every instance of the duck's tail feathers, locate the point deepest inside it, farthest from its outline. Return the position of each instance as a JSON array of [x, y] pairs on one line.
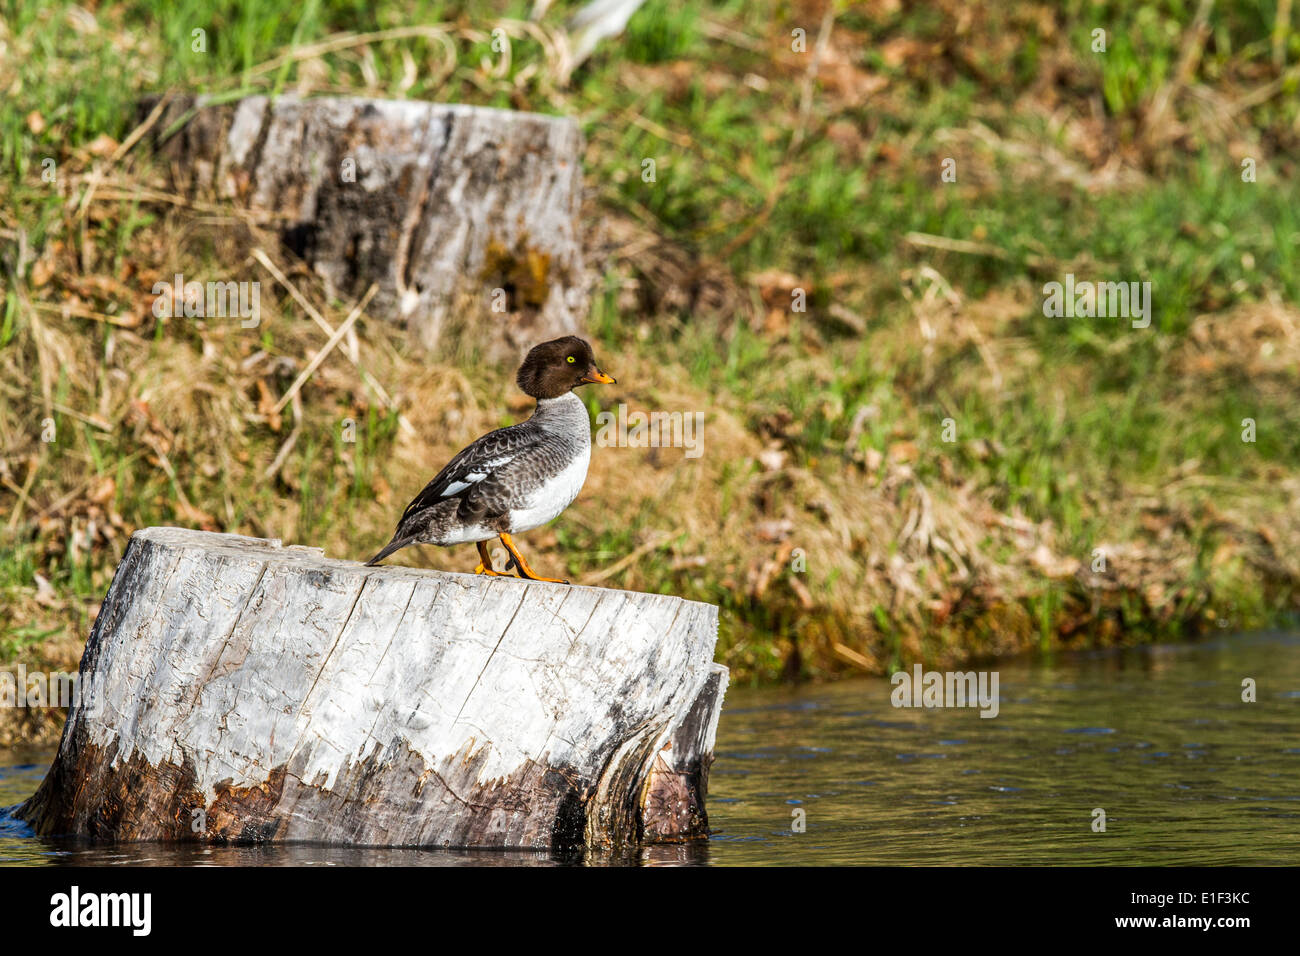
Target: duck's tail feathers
[[394, 545]]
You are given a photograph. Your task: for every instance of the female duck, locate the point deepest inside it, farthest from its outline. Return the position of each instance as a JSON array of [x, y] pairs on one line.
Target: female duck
[[513, 479]]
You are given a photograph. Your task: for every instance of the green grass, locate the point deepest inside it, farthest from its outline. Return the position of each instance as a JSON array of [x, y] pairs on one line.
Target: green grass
[[734, 157]]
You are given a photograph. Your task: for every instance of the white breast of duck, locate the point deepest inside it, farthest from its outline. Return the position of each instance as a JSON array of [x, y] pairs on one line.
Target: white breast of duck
[[567, 444]]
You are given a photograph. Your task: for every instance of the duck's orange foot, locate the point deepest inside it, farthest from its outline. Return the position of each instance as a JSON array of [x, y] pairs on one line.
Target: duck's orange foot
[[517, 561]]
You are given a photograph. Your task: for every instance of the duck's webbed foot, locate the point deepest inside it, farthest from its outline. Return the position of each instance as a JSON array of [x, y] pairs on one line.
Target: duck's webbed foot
[[517, 561]]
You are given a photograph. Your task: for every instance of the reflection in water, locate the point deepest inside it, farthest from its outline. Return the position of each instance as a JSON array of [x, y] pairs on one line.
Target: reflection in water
[[1157, 737]]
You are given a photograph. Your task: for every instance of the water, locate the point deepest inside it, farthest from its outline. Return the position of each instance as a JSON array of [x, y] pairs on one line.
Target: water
[[1157, 737]]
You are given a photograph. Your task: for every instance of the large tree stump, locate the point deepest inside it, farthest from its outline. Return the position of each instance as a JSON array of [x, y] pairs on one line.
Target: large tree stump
[[453, 210], [247, 692]]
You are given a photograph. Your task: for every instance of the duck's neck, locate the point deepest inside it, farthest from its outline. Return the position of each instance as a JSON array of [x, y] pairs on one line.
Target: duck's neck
[[566, 413]]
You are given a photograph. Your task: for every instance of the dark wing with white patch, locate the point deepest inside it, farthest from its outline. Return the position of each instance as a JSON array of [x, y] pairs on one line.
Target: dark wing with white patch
[[473, 477]]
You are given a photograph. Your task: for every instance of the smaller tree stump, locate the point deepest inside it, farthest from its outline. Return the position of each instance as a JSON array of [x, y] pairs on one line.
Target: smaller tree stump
[[454, 211]]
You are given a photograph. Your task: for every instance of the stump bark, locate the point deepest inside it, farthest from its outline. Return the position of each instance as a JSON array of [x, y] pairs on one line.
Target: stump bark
[[240, 691], [456, 212]]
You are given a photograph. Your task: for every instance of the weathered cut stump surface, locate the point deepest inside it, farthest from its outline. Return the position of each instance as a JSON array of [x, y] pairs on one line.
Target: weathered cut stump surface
[[438, 203], [250, 692]]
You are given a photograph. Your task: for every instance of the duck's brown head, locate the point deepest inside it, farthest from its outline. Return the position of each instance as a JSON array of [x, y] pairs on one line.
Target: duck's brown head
[[559, 366]]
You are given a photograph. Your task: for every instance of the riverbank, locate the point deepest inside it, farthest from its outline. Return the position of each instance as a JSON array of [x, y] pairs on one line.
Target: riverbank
[[918, 465]]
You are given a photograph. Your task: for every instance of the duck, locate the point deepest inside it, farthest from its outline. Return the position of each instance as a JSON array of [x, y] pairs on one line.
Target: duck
[[517, 478]]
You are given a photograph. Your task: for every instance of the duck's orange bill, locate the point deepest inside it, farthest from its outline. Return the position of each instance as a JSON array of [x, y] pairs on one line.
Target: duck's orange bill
[[596, 377]]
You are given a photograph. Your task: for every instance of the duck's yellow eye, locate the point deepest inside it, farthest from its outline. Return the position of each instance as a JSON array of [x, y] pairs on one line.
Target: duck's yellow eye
[[572, 360]]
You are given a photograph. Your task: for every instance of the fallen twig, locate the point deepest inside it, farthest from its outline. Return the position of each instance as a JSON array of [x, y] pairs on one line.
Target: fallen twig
[[1266, 92], [325, 349], [144, 194], [657, 539], [319, 319], [968, 247], [97, 175], [1193, 46], [810, 78], [66, 309], [283, 454], [34, 465]]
